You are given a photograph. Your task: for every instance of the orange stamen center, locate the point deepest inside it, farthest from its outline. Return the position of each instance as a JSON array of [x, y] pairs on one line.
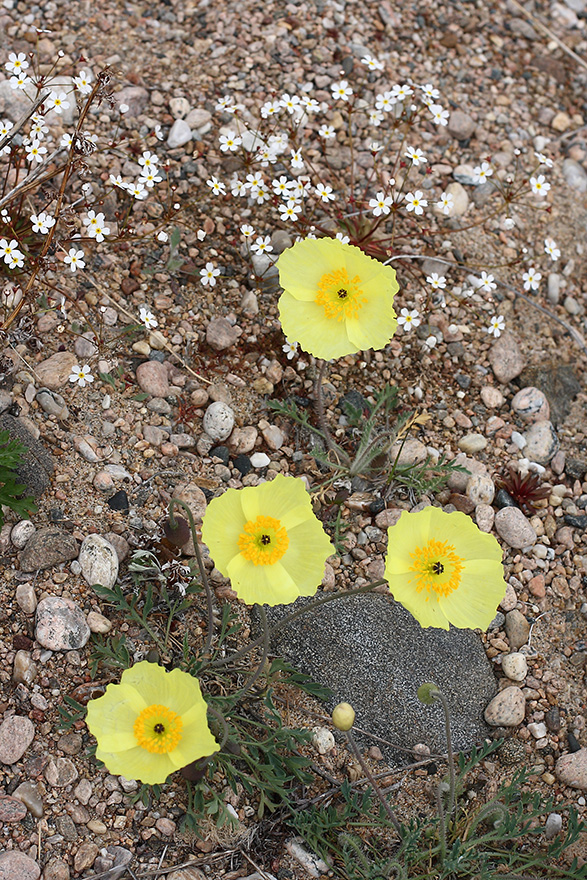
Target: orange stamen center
[[263, 540], [158, 729], [341, 297], [438, 568]]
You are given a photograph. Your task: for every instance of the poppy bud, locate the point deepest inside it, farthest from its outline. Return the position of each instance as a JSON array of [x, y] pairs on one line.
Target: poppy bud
[[343, 716]]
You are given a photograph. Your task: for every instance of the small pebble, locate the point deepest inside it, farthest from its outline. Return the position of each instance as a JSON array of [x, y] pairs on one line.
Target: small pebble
[[507, 709], [553, 825], [513, 527], [515, 666]]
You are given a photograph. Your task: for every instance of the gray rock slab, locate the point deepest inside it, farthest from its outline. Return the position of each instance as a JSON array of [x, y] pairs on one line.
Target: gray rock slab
[[37, 465], [373, 654], [558, 382]]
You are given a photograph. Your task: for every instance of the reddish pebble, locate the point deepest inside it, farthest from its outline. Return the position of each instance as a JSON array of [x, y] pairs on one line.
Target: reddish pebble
[[537, 587], [11, 809]]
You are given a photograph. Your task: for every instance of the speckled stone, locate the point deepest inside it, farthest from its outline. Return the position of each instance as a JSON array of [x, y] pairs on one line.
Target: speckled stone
[[152, 378], [572, 769], [542, 442], [55, 371], [99, 561], [507, 709], [517, 628], [353, 654], [480, 489], [506, 359], [513, 528], [46, 547], [16, 734], [515, 666], [11, 809], [472, 443], [218, 421], [531, 405], [61, 625], [60, 772], [15, 865]]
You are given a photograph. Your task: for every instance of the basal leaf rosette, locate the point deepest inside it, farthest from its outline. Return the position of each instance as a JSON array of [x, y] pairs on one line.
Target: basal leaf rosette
[[268, 541], [151, 724], [336, 300], [443, 569]]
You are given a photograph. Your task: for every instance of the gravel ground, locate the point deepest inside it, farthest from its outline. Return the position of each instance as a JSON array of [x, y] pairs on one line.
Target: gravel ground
[[515, 88]]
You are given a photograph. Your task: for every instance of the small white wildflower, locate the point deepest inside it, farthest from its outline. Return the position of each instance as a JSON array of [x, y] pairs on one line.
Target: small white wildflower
[[19, 81], [82, 376], [401, 92], [16, 63], [74, 259], [385, 102], [539, 185], [496, 325], [82, 82], [270, 108], [342, 237], [42, 222], [262, 245], [95, 226], [544, 160], [224, 103], [290, 210], [486, 282], [482, 172], [416, 202], [436, 281], [289, 102], [372, 63], [247, 230], [325, 193], [290, 348], [230, 141], [217, 187], [381, 204], [408, 319], [296, 159], [531, 279], [415, 156], [551, 248], [57, 102], [327, 132], [341, 90], [375, 117], [509, 223], [439, 114], [147, 318], [209, 274], [446, 203]]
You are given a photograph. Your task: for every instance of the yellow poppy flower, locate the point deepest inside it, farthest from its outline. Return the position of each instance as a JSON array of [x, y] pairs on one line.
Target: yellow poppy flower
[[151, 724], [336, 300], [268, 541], [443, 569]]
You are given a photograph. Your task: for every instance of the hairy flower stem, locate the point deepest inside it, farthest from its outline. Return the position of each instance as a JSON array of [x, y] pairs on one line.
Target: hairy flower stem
[[175, 502], [257, 673], [319, 399], [375, 787], [365, 588], [442, 824], [449, 752]]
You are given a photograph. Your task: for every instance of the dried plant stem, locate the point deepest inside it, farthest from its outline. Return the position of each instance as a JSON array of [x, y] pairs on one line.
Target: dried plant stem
[[373, 782], [176, 502]]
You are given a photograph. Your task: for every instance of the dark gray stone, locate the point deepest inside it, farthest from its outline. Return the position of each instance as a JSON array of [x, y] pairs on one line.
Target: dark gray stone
[[37, 464], [46, 547], [558, 382], [373, 654]]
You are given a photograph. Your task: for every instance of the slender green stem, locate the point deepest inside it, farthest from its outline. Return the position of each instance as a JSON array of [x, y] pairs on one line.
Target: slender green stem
[[450, 754], [330, 597], [375, 787], [176, 502]]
